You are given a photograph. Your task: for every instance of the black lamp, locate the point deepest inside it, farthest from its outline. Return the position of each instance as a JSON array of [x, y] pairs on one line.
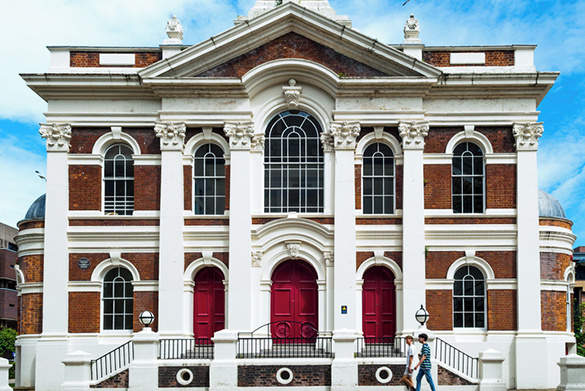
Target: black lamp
[[421, 315], [146, 318]]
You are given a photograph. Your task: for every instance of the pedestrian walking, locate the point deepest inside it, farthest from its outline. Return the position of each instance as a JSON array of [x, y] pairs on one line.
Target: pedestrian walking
[[410, 354], [424, 363]]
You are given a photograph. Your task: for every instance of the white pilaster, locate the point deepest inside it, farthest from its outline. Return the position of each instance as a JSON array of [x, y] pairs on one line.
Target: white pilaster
[[413, 221], [257, 180], [344, 136], [329, 262], [240, 241], [171, 248], [531, 365]]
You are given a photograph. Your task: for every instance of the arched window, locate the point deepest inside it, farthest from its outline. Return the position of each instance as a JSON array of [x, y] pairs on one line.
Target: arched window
[[293, 164], [378, 180], [119, 180], [469, 307], [468, 179], [118, 299], [209, 186]]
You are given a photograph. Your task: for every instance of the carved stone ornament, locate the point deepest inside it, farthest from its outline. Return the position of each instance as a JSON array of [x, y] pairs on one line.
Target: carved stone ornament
[[58, 136], [172, 135], [328, 257], [292, 93], [293, 248], [344, 134], [240, 134], [411, 27], [257, 143], [327, 142], [413, 134], [174, 31], [527, 135], [257, 258]]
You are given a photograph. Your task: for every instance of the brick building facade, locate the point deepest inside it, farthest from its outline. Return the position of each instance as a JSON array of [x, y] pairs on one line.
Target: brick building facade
[[293, 171]]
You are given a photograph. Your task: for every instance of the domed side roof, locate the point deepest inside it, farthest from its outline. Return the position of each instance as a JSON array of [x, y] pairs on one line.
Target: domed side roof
[[36, 210], [549, 206]]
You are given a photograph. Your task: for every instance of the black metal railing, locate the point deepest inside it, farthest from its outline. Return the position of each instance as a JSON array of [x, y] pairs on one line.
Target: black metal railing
[[381, 347], [270, 341], [112, 362], [456, 359], [185, 348]]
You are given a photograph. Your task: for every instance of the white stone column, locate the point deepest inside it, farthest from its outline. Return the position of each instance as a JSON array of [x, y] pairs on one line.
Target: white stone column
[[344, 143], [572, 373], [256, 294], [56, 258], [143, 371], [413, 222], [329, 262], [77, 372], [531, 363], [491, 371], [257, 174], [223, 371], [171, 246], [240, 241], [328, 174]]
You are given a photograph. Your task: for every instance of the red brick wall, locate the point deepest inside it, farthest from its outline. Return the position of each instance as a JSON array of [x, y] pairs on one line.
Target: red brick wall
[[31, 313], [147, 187], [75, 273], [399, 184], [227, 186], [553, 265], [367, 375], [503, 263], [31, 224], [437, 186], [85, 188], [554, 311], [32, 267], [146, 263], [206, 221], [501, 310], [292, 45], [447, 378], [480, 219], [362, 220], [265, 375], [440, 305], [114, 221], [556, 223], [188, 187], [145, 301], [146, 138], [501, 138], [358, 186], [84, 312], [83, 59], [438, 138], [493, 58], [83, 139], [361, 257], [222, 257], [500, 186]]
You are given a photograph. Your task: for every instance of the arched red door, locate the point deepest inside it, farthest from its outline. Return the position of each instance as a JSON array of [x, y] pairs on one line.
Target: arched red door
[[209, 303], [379, 303], [294, 300]]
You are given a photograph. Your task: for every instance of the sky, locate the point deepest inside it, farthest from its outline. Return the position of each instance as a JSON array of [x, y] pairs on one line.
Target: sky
[[557, 27]]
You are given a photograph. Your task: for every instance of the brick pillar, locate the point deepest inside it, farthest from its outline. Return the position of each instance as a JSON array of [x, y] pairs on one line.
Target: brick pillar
[[413, 222], [171, 247]]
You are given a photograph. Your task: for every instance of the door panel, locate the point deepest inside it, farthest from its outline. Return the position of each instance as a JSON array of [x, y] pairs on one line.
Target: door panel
[[379, 303], [209, 303], [299, 305]]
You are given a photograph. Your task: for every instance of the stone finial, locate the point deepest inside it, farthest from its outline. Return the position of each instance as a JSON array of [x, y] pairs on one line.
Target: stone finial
[[292, 94], [527, 135], [174, 32], [58, 136], [344, 134], [172, 135], [240, 134], [411, 30], [413, 134]]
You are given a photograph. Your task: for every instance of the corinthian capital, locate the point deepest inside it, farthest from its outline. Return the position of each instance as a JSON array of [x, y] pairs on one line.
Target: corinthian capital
[[172, 135], [344, 134], [240, 134], [413, 134], [527, 135], [58, 136]]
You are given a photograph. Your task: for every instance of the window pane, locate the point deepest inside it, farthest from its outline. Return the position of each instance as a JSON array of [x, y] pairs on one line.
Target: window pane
[[367, 206], [388, 206], [467, 304], [479, 320], [367, 167], [378, 205], [468, 320], [108, 319], [108, 306], [457, 304], [468, 287], [458, 320]]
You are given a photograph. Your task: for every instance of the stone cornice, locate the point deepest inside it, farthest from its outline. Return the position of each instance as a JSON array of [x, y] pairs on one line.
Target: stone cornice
[[527, 135], [413, 134], [171, 134], [58, 136]]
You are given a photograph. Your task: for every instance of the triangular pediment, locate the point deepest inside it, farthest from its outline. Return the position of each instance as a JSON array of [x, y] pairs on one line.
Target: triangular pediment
[[290, 31]]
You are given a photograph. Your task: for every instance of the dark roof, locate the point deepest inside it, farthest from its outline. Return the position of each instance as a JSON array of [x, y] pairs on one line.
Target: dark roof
[[36, 210], [549, 206]]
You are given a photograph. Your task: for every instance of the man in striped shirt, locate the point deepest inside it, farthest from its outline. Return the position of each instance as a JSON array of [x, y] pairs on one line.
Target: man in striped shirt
[[424, 363]]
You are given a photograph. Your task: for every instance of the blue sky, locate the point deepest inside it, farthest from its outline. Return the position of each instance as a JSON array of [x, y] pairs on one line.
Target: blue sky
[[557, 27]]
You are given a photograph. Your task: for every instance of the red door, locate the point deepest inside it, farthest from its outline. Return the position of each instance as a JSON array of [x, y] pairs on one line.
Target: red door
[[209, 303], [379, 303], [294, 301]]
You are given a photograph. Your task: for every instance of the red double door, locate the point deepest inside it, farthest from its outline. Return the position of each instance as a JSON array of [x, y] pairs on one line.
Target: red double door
[[209, 303], [294, 301], [379, 303]]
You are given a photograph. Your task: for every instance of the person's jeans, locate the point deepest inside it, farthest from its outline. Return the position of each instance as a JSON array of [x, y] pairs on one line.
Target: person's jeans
[[427, 374]]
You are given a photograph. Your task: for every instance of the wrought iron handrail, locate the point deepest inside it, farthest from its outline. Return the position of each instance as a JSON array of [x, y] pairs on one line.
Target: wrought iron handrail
[[456, 359], [263, 343], [185, 348], [112, 361], [380, 347]]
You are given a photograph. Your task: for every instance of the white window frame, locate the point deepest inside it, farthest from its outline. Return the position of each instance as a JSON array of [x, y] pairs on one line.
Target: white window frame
[[124, 206], [126, 296], [471, 175], [207, 195], [373, 176], [474, 296]]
